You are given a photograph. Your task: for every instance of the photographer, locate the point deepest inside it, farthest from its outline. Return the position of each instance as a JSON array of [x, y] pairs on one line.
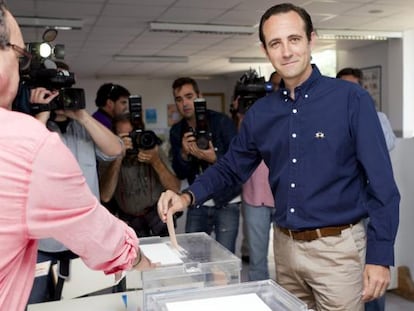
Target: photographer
[[87, 139], [137, 179], [189, 160]]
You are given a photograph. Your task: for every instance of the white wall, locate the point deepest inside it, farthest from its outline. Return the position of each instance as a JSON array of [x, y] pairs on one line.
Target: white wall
[[387, 54], [155, 93], [408, 60]]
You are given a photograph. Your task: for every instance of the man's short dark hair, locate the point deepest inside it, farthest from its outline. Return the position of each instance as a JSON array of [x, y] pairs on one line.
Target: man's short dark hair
[[110, 91], [348, 71], [178, 84], [286, 8]]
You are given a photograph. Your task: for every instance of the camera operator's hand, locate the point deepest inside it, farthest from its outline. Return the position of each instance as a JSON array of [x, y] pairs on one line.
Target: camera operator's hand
[[150, 156], [127, 142], [187, 141], [78, 115], [42, 96], [208, 155]]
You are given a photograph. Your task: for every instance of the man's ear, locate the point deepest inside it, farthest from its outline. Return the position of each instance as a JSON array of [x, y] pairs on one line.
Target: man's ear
[[313, 39]]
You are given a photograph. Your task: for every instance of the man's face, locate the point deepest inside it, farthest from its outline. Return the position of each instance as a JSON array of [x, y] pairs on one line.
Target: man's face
[[123, 127], [184, 99], [120, 106], [288, 47], [9, 64]]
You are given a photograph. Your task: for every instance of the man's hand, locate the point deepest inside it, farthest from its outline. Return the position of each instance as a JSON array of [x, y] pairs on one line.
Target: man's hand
[[145, 264], [149, 156], [208, 155], [78, 115], [40, 95], [171, 200], [376, 281], [127, 142], [187, 141]]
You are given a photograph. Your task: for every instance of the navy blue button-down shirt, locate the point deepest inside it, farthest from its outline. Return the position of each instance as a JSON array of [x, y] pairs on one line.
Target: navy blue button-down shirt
[[328, 161]]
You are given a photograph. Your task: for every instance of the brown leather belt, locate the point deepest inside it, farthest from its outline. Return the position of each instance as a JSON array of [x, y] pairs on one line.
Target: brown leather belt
[[310, 235]]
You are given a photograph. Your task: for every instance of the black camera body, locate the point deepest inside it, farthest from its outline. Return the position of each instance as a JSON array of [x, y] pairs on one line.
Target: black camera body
[[201, 133], [249, 88], [44, 72], [141, 139], [52, 79]]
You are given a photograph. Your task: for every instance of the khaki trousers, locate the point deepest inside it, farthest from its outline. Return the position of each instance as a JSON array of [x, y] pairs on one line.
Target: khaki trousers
[[326, 273]]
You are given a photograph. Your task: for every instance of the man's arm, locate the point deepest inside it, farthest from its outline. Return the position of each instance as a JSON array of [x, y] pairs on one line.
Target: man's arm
[[109, 176], [181, 166], [104, 139], [62, 206]]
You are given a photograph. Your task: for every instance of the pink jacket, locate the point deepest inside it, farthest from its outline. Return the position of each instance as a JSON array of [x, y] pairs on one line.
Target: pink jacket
[[44, 194]]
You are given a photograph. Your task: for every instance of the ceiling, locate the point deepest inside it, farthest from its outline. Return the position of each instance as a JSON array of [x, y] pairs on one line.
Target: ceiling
[[114, 27]]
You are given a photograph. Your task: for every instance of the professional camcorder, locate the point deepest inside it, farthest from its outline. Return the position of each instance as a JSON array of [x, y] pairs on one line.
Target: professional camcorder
[[201, 132], [44, 72], [141, 139], [249, 88]]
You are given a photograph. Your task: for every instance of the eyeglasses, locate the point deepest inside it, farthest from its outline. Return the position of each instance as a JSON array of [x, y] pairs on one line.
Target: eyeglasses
[[24, 56]]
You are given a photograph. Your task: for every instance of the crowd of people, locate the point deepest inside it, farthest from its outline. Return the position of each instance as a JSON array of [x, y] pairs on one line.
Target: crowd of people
[[310, 158]]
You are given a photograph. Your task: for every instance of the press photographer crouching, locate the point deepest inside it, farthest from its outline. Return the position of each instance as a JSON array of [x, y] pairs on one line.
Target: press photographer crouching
[[138, 178]]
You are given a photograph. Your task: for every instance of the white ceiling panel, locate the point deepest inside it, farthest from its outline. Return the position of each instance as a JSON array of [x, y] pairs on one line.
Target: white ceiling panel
[[122, 27]]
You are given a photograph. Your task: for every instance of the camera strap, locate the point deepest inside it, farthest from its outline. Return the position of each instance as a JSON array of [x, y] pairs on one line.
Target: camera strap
[[38, 108]]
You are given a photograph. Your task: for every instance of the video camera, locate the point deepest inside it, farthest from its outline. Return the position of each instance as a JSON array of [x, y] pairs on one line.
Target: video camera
[[44, 72], [141, 139], [249, 88], [201, 132]]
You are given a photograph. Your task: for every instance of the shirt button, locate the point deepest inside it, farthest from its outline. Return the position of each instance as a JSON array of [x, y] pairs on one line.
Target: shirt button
[[284, 92], [294, 135], [294, 110], [292, 185], [292, 210], [306, 95], [294, 160]]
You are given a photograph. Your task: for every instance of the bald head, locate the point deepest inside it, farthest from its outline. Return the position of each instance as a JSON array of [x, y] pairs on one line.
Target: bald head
[[11, 40]]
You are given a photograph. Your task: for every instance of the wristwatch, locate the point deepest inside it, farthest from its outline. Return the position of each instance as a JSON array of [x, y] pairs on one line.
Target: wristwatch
[[191, 194]]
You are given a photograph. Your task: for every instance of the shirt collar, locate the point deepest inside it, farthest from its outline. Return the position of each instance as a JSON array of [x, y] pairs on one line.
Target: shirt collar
[[305, 86]]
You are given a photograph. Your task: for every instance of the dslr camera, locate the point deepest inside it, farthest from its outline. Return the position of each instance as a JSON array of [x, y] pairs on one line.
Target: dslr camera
[[201, 132], [43, 72], [249, 88], [141, 139]]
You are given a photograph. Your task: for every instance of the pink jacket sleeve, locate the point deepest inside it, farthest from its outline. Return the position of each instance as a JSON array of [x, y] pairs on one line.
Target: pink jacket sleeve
[[60, 205]]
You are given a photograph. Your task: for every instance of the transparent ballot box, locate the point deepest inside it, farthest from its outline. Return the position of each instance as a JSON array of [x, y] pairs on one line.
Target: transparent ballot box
[[199, 262], [258, 296]]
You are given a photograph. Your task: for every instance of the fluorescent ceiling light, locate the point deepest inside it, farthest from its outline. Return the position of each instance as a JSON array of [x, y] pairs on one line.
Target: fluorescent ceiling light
[[203, 28], [150, 59], [248, 60], [49, 22], [344, 34]]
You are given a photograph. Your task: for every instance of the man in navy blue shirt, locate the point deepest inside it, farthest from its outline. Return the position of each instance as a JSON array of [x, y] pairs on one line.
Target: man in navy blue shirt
[[329, 169]]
